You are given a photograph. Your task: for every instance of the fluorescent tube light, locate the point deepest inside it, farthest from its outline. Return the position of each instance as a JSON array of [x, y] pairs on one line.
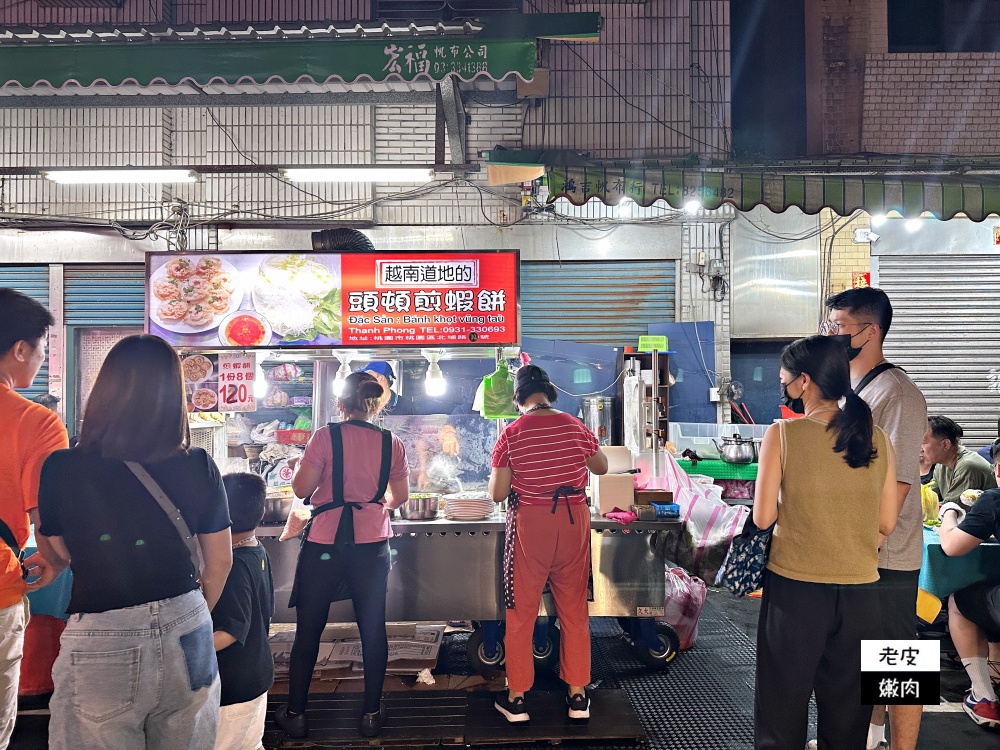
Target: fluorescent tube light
[[122, 176], [360, 174]]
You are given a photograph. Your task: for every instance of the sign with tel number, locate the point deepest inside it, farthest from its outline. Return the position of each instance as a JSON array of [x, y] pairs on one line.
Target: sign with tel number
[[236, 378]]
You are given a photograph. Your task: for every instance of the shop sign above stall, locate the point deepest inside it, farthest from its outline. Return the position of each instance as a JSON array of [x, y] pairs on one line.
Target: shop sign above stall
[[237, 372], [235, 300]]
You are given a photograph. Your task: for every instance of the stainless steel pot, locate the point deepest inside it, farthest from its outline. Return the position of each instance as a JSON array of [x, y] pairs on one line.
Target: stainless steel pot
[[276, 509], [420, 507]]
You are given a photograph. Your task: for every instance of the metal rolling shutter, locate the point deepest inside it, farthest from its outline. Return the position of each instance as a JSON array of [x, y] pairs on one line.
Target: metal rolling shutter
[[104, 296], [596, 302], [33, 281], [946, 334]]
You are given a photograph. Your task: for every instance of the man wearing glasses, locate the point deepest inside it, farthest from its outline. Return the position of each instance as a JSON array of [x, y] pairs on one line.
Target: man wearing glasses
[[861, 318]]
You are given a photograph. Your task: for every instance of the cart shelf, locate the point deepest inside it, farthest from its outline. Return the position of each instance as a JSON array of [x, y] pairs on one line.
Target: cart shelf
[[720, 469]]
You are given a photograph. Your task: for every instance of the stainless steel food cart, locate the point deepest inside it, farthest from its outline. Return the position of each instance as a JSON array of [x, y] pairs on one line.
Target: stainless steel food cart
[[451, 570]]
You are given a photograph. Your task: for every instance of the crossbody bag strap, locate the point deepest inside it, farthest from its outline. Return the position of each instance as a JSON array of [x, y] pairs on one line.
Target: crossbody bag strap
[[154, 489], [8, 537], [872, 374]]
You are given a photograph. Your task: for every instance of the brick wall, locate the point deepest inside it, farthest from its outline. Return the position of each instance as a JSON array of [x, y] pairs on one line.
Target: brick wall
[[839, 33], [838, 248], [932, 103], [406, 134]]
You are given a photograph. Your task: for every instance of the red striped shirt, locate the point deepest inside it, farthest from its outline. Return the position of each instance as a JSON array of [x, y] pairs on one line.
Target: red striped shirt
[[544, 453]]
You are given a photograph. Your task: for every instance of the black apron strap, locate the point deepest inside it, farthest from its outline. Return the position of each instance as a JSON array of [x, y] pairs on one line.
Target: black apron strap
[[872, 374], [384, 468], [565, 492]]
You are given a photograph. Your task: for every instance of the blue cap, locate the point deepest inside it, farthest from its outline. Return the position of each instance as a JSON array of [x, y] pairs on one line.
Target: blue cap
[[380, 368]]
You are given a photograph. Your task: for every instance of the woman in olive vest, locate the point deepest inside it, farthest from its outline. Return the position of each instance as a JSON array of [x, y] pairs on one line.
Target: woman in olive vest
[[828, 484]]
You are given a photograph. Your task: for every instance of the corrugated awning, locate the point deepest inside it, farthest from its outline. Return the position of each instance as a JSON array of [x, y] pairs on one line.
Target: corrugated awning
[[942, 190]]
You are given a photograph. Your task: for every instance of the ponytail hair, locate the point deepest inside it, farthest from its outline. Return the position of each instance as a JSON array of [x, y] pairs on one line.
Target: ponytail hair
[[362, 393], [824, 359], [855, 431]]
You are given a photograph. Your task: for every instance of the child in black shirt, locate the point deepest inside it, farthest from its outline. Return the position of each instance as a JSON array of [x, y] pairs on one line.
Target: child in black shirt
[[241, 620]]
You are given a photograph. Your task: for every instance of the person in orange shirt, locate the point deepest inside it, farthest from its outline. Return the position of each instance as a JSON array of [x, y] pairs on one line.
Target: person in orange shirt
[[31, 432]]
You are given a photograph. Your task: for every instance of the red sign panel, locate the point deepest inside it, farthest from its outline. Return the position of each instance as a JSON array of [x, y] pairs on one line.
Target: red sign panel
[[860, 279], [429, 300]]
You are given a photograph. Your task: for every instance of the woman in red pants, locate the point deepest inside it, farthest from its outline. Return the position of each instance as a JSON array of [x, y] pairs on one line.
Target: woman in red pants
[[540, 466]]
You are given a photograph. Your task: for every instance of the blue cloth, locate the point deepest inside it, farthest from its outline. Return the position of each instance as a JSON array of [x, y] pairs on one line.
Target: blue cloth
[[942, 575], [54, 598]]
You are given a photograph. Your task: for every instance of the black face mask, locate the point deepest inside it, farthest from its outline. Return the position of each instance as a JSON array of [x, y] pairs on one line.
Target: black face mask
[[794, 404], [852, 351]]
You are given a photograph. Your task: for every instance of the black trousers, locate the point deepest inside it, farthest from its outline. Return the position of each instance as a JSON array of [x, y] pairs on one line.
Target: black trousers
[[329, 573], [809, 640]]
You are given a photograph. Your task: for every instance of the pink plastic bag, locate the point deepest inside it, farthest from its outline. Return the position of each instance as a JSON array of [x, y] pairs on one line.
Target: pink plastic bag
[[682, 604], [710, 523]]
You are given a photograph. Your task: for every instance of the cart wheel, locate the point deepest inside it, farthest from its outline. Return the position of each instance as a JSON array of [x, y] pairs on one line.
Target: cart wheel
[[548, 655], [488, 666], [671, 645]]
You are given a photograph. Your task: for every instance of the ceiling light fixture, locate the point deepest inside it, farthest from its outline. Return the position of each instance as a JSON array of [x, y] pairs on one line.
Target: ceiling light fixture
[[340, 379], [408, 175], [119, 176], [435, 384], [693, 206]]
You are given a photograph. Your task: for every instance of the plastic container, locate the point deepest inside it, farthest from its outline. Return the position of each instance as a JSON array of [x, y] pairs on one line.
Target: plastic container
[[698, 436], [666, 510]]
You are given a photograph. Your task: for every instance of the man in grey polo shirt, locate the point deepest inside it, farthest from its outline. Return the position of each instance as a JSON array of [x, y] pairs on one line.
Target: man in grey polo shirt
[[862, 318]]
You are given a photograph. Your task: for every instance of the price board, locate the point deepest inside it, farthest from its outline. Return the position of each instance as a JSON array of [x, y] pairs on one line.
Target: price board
[[237, 372]]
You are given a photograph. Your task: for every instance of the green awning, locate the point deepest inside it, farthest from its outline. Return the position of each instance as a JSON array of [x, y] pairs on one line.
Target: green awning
[[942, 194], [289, 61]]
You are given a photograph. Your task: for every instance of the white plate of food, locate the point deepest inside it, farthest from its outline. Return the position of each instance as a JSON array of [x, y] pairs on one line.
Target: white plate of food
[[193, 293], [197, 368], [204, 399], [244, 328]]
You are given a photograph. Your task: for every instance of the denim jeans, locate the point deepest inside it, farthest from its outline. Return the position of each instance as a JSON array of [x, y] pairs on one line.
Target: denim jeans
[[13, 621], [138, 677]]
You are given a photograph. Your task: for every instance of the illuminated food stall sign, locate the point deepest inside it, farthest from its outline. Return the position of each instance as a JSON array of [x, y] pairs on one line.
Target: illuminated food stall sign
[[235, 300]]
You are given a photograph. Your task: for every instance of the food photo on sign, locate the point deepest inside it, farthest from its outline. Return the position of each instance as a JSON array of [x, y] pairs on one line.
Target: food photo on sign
[[244, 300], [201, 381]]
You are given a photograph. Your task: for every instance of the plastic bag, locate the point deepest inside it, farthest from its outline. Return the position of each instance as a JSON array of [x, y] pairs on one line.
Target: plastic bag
[[682, 604], [298, 517], [709, 522], [929, 502], [498, 394]]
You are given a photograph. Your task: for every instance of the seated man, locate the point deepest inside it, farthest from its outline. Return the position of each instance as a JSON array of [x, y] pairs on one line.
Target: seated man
[[974, 612], [958, 469]]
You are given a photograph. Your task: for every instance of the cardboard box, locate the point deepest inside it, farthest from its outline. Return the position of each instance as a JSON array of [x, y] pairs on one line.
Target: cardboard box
[[613, 490]]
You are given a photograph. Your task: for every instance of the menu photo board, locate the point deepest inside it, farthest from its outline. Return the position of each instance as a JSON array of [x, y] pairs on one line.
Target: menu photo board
[[291, 300]]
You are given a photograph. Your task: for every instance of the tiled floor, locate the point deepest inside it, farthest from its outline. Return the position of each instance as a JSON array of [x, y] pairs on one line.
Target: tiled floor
[[704, 701]]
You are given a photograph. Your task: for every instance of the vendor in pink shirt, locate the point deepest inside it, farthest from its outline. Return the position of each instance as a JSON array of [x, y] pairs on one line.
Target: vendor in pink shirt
[[345, 472]]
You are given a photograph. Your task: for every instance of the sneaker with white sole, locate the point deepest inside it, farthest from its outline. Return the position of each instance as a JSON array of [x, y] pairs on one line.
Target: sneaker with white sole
[[578, 707], [985, 713], [515, 711]]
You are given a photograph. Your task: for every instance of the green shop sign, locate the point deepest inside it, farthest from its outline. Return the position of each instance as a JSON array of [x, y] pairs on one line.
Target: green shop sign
[[201, 62]]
